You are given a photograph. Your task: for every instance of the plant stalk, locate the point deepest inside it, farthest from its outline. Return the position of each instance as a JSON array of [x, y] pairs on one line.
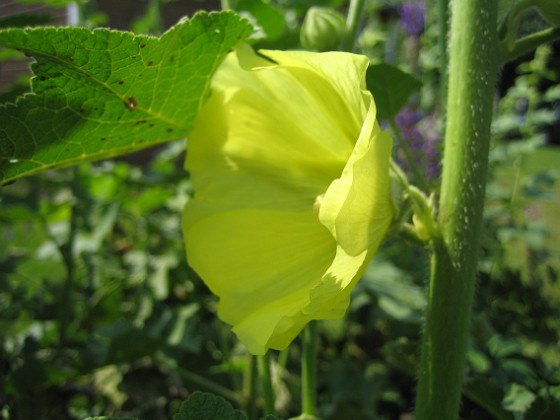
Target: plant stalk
[[529, 43], [266, 383], [309, 370], [472, 75], [352, 25]]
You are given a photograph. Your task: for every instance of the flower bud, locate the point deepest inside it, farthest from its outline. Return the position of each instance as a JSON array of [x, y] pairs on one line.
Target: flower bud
[[322, 29], [550, 10], [423, 217]]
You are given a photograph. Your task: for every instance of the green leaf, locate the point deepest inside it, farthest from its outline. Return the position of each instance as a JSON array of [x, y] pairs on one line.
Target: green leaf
[[487, 395], [268, 18], [102, 93], [396, 294], [206, 406], [518, 398], [391, 88]]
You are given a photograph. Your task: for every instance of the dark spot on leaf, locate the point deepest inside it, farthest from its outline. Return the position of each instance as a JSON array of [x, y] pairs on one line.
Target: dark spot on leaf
[[169, 130], [121, 82], [171, 58], [142, 45], [131, 103], [82, 110], [43, 78], [67, 149], [151, 125], [103, 138], [151, 63], [96, 108], [134, 57]]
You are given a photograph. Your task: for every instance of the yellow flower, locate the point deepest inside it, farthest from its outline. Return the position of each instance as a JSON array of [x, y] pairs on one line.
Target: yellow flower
[[292, 192]]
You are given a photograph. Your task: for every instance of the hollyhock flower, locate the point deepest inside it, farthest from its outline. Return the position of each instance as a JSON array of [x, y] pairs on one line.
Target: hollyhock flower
[[292, 193]]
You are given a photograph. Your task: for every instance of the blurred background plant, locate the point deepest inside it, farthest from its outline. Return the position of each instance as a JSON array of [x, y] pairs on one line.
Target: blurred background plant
[[101, 315]]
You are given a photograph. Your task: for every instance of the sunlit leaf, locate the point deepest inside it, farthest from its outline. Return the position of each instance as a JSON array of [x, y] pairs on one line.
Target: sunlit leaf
[[103, 93]]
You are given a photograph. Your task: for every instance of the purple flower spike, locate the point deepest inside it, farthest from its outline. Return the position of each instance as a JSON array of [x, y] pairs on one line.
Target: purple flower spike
[[412, 18], [420, 135]]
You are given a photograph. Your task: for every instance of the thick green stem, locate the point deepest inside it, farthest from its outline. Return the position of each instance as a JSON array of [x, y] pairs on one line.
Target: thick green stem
[[266, 384], [309, 370], [443, 26], [250, 387], [352, 25], [472, 76]]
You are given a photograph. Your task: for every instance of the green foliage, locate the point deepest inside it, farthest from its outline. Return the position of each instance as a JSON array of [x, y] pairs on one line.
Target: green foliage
[[268, 19], [101, 315], [391, 88], [111, 418], [103, 93], [52, 3], [204, 406]]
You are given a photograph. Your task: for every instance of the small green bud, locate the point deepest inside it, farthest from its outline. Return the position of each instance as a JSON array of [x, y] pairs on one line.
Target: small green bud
[[423, 214], [322, 29], [550, 10]]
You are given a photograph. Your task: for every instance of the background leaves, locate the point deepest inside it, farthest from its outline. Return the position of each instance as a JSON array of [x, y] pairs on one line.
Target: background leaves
[[391, 88]]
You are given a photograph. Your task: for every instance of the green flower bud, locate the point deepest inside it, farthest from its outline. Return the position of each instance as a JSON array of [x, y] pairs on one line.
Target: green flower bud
[[322, 29], [423, 217], [550, 10]]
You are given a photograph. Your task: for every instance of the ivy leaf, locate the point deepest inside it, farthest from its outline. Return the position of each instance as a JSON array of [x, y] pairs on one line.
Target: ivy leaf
[[391, 88], [103, 93], [206, 406]]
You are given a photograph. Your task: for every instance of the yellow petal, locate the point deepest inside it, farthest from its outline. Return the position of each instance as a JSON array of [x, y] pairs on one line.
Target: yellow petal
[[291, 180], [263, 263], [355, 207]]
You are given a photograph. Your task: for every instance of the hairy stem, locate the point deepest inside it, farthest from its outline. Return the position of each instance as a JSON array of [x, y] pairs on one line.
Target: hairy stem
[[472, 76]]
